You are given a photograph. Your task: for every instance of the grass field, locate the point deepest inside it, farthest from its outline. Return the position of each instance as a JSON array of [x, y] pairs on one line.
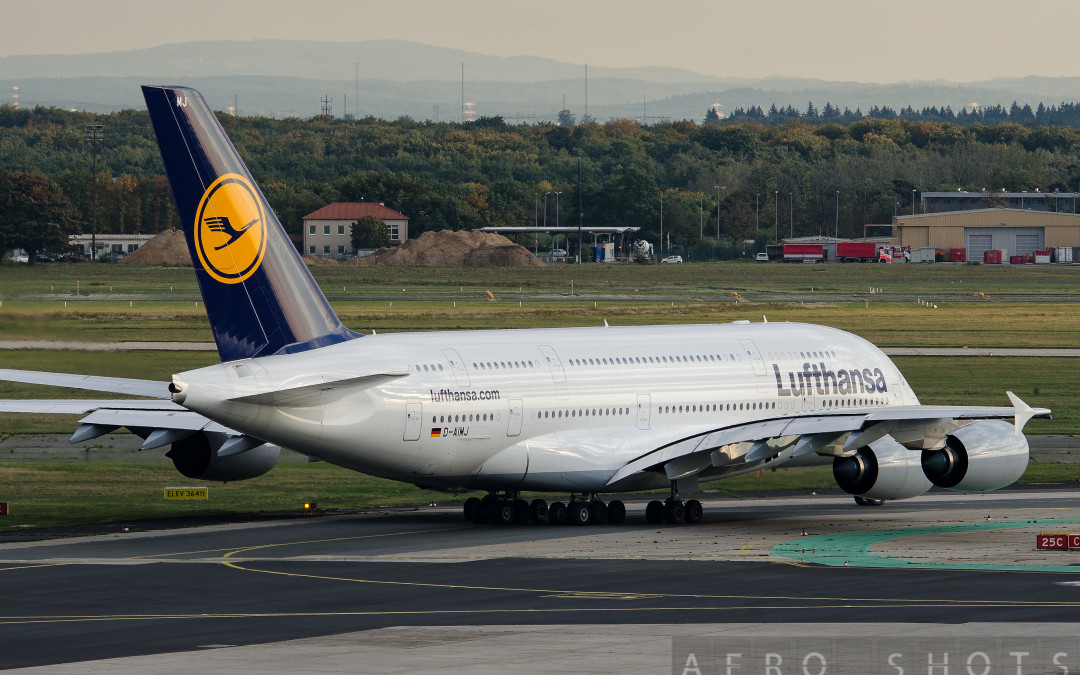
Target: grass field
[[67, 494], [1028, 307]]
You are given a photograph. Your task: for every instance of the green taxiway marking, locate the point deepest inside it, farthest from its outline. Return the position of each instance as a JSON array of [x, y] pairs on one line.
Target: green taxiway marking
[[853, 548]]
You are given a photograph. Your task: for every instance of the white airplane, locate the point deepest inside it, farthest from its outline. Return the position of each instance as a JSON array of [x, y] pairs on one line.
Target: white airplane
[[586, 411]]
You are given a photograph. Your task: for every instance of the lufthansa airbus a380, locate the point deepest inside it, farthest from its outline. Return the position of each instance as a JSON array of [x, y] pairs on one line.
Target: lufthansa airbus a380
[[585, 411]]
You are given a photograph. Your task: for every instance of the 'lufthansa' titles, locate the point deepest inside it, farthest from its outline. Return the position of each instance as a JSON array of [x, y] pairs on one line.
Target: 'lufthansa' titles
[[813, 379]]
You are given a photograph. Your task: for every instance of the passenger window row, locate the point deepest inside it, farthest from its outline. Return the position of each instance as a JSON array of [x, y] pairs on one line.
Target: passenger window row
[[789, 356], [472, 417], [586, 412], [670, 359]]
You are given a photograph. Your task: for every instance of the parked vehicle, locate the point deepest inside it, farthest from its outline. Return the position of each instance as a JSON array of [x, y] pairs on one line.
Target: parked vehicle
[[804, 253], [856, 251], [763, 257], [672, 259]]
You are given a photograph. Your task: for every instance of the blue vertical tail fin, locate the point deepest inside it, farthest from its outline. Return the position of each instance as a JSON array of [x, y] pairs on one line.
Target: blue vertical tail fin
[[259, 296]]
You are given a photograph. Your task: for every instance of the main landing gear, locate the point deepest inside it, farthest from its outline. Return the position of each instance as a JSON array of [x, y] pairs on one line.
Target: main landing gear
[[510, 509], [673, 510]]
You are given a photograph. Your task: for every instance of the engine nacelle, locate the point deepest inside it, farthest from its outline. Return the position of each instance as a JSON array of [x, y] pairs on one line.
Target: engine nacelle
[[196, 457], [984, 455], [882, 470]]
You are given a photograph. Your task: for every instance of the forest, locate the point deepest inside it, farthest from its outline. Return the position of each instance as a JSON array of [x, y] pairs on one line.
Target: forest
[[821, 172]]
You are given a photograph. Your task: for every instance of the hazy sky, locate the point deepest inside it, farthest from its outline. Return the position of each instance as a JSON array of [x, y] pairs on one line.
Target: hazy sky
[[863, 40]]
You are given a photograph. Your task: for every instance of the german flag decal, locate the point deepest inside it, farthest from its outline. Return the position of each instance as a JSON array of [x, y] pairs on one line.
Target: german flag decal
[[436, 433]]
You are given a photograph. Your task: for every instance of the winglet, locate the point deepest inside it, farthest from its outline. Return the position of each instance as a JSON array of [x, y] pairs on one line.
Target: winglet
[[1023, 412]]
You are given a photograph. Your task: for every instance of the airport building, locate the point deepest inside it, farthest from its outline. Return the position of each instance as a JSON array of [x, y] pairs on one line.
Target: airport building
[[1014, 232], [117, 245], [941, 202], [328, 231]]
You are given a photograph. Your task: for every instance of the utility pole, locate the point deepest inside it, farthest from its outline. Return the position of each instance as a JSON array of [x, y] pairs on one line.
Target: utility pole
[[94, 136]]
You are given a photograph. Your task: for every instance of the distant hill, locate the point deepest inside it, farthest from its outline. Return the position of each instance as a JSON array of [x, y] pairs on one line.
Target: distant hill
[[394, 60], [288, 78]]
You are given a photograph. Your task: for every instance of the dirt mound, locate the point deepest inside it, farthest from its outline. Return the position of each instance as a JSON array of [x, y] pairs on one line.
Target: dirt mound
[[167, 248], [449, 247]]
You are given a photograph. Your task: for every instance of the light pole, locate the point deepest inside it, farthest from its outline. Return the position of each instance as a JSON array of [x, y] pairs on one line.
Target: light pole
[[545, 217], [757, 212], [912, 202], [718, 188], [580, 208], [776, 216], [701, 215], [557, 221], [536, 220], [791, 216], [836, 232], [661, 222], [94, 136]]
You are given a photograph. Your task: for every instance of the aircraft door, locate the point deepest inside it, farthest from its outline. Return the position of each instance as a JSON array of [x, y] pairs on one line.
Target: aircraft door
[[513, 428], [643, 410], [458, 366], [553, 363], [754, 355], [414, 418]]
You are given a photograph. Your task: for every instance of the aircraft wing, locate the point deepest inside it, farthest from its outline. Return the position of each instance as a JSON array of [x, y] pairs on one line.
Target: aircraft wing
[[786, 438]]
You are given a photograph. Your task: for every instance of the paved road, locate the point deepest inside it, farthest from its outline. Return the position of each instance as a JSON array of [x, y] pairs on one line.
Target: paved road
[[219, 588]]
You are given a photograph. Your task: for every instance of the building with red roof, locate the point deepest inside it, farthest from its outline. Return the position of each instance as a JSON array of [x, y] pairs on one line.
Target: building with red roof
[[328, 231]]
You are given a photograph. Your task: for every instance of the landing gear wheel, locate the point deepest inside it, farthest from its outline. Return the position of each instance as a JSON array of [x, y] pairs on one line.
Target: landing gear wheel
[[538, 511], [599, 512], [693, 511], [484, 511], [579, 512], [504, 512], [471, 504], [674, 512], [866, 501], [616, 512], [654, 512], [521, 511], [556, 514]]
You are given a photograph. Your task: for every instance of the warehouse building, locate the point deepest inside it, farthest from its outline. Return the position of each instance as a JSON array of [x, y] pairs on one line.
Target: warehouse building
[[328, 231], [1012, 231], [940, 202]]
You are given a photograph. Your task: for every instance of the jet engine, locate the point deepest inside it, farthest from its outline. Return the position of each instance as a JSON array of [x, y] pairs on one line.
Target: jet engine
[[196, 457], [983, 455], [882, 470]]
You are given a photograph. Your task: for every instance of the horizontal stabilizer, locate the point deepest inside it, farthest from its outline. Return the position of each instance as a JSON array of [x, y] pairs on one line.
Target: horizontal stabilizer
[[76, 406], [115, 385], [317, 393]]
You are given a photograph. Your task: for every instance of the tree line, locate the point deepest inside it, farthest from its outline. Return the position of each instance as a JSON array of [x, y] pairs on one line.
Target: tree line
[[750, 178], [1064, 114]]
